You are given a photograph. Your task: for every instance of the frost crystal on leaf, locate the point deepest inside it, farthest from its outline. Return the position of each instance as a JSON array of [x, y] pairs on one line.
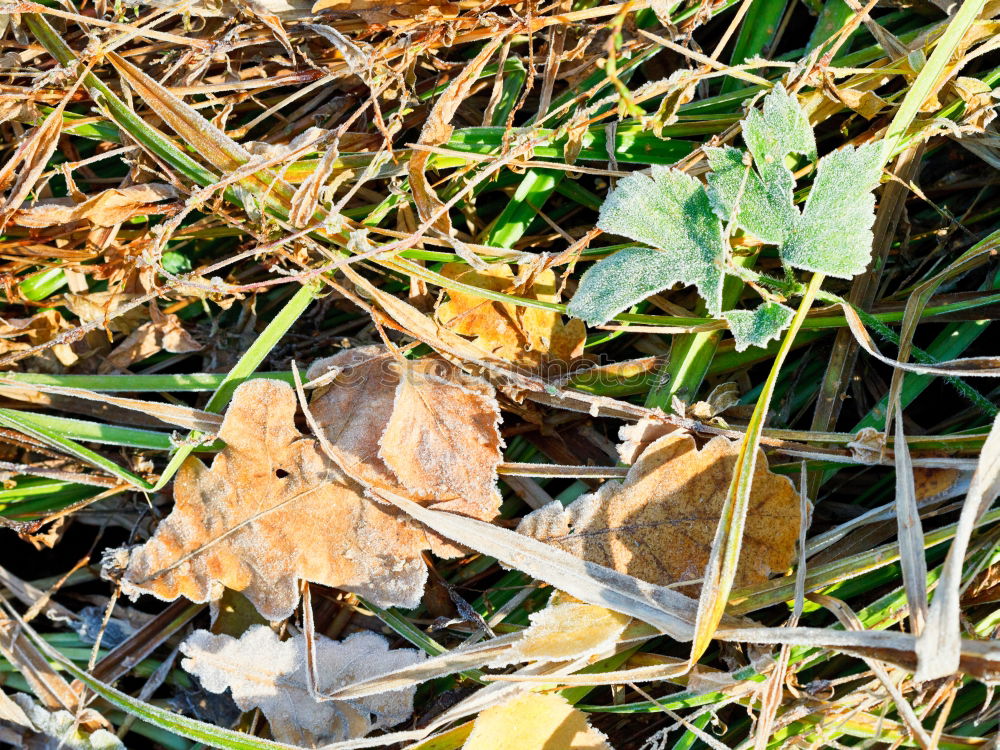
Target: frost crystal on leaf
[[266, 673], [780, 128], [273, 509], [659, 523], [533, 721], [764, 197], [672, 212], [757, 327], [834, 233]]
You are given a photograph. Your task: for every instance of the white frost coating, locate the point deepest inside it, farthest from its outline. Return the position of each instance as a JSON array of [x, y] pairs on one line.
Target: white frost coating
[[834, 235], [670, 211], [64, 728], [758, 326], [781, 127], [764, 194], [266, 673]]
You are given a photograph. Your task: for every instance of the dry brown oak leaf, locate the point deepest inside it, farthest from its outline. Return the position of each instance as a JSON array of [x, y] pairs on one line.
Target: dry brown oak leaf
[[527, 336], [658, 524], [273, 509], [419, 428]]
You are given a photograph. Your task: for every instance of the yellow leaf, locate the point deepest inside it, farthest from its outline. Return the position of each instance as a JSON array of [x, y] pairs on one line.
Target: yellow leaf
[[534, 721], [527, 336]]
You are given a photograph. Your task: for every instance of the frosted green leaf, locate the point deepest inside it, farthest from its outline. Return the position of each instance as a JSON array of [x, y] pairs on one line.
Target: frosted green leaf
[[757, 327], [630, 275], [780, 128], [766, 207], [834, 235], [672, 212]]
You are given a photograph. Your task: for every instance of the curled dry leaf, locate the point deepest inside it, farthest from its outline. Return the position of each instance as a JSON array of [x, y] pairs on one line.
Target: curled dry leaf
[[534, 720], [527, 336], [105, 209], [419, 428], [38, 329], [272, 675], [274, 509], [164, 332], [659, 523]]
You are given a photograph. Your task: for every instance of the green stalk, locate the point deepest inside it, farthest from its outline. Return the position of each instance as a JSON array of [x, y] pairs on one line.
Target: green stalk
[[720, 573]]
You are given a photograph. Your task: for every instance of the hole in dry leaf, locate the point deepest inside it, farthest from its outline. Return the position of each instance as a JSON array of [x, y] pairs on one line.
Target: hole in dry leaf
[[280, 473]]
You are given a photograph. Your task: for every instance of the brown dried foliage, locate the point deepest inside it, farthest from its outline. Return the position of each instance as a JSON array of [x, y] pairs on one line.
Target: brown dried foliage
[[659, 523]]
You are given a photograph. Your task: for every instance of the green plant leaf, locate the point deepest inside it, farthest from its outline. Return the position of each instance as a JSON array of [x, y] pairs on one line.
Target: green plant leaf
[[834, 235], [758, 326], [764, 198], [672, 212], [781, 127]]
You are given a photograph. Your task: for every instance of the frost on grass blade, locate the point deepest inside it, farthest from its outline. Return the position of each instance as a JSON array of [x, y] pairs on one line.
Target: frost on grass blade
[[780, 128], [629, 276], [672, 212], [834, 235], [757, 327], [764, 197]]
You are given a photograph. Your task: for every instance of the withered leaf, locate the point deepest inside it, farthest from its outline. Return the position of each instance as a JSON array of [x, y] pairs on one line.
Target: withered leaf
[[164, 332], [105, 209], [271, 510], [419, 428], [658, 524], [266, 673], [534, 720], [569, 629], [527, 336]]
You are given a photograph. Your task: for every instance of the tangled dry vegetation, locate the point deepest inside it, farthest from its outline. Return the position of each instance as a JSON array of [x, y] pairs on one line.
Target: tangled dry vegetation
[[501, 374]]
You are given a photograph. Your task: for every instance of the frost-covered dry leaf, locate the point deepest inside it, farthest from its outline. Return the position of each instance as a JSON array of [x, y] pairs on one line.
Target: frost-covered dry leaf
[[274, 509], [670, 211], [164, 332], [58, 730], [659, 523], [526, 336], [534, 721], [568, 630], [272, 675], [420, 428], [834, 234], [105, 209], [758, 326]]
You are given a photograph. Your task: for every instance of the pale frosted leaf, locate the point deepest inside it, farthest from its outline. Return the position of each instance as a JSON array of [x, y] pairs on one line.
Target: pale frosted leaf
[[670, 211], [625, 279], [834, 235], [534, 720], [272, 675], [62, 729], [272, 510], [758, 326], [569, 630], [422, 428], [781, 127], [659, 523], [528, 336], [763, 195]]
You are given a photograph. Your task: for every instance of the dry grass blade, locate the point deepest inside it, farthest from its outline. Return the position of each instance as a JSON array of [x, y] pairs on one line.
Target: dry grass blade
[[939, 646], [911, 533]]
